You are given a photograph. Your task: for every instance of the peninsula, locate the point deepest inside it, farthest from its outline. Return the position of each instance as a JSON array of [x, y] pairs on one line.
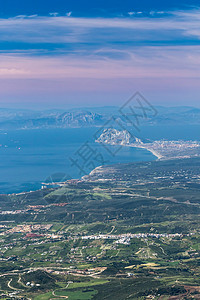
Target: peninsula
[[162, 149]]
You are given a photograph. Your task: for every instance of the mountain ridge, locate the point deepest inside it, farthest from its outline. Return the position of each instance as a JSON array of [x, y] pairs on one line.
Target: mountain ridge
[[97, 116]]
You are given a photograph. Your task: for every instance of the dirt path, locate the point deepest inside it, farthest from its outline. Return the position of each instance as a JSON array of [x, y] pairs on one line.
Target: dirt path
[[53, 293], [11, 287]]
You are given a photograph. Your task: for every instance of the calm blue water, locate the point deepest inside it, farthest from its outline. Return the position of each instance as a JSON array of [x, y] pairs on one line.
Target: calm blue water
[[29, 157]]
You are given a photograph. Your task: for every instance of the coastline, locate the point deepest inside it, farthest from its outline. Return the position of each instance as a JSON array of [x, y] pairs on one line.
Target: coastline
[[158, 155], [139, 146]]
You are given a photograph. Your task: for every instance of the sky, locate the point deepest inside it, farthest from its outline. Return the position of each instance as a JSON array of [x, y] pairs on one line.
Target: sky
[[93, 53]]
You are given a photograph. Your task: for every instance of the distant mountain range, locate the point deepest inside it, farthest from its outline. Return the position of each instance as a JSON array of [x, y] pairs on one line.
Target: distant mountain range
[[177, 115], [87, 117], [48, 119]]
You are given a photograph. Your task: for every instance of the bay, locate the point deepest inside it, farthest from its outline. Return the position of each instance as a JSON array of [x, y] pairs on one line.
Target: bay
[[30, 157]]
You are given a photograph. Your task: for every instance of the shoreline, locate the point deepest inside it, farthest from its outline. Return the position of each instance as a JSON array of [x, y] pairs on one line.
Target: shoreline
[[39, 184], [139, 146], [156, 154]]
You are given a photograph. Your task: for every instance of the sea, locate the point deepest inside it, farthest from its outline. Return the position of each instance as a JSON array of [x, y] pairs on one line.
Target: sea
[[31, 157]]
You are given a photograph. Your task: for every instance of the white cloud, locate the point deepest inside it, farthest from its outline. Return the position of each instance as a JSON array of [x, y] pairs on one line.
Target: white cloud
[[60, 29], [68, 14], [54, 14], [33, 16], [20, 17], [153, 12], [131, 13]]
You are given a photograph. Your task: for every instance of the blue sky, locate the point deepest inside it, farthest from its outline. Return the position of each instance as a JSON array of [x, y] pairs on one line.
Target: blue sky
[[61, 53], [103, 8]]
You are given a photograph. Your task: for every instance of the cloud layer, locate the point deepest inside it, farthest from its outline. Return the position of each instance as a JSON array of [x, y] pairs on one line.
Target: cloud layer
[[161, 45]]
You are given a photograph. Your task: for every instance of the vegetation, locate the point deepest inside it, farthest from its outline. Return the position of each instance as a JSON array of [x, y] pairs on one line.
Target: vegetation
[[135, 236]]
